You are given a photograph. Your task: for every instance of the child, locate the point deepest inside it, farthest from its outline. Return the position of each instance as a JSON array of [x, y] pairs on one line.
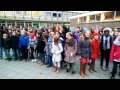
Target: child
[[56, 50], [32, 43], [40, 48], [24, 44], [95, 44], [115, 55], [84, 50], [105, 47], [49, 47], [7, 46], [70, 52], [15, 44]]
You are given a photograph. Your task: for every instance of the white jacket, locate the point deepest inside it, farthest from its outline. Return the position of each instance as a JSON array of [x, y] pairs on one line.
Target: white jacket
[[56, 50]]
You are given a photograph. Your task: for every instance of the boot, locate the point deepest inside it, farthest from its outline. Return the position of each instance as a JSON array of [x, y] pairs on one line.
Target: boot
[[90, 69], [55, 69], [81, 69], [84, 69], [93, 68], [58, 70]]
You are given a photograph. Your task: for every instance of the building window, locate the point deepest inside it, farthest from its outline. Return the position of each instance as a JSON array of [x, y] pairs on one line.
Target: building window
[[109, 15], [48, 14], [59, 15], [19, 13], [117, 15], [64, 15], [54, 14]]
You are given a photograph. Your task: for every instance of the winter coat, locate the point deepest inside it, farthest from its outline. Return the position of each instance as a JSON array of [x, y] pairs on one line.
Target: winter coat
[[24, 41], [7, 43], [95, 48], [14, 42], [84, 49], [40, 45], [1, 41], [70, 53], [56, 50], [101, 42], [32, 42], [115, 51], [48, 47], [76, 36]]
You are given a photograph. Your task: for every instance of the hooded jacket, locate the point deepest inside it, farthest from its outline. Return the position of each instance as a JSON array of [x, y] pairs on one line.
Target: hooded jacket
[[115, 51]]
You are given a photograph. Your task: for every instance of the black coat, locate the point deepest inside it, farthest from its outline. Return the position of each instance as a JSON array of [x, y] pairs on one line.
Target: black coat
[[14, 42], [40, 45], [7, 43]]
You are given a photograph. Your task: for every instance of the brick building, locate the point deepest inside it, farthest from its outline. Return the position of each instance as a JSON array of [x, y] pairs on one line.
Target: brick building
[[100, 18]]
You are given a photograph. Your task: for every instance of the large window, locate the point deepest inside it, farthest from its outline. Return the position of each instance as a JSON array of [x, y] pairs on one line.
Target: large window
[[59, 15], [65, 15], [49, 14], [92, 18], [98, 17], [19, 13], [82, 19], [109, 16], [27, 13], [9, 13], [54, 14], [117, 15], [35, 13]]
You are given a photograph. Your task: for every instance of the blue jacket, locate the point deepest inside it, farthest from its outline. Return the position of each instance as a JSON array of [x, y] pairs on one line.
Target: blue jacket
[[24, 41]]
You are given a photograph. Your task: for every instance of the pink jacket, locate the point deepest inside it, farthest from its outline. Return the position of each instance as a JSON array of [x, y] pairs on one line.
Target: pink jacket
[[115, 51]]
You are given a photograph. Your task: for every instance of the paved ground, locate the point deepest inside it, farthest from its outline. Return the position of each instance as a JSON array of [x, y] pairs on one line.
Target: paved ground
[[32, 70]]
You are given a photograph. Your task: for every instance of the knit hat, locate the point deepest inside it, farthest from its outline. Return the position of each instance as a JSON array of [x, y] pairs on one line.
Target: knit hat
[[85, 28], [95, 34], [32, 35]]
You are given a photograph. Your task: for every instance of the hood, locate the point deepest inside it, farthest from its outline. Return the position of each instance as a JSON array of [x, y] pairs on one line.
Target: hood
[[109, 29], [117, 41], [32, 35]]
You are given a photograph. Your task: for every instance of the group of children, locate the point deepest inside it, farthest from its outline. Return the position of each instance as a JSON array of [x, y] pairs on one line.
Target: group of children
[[59, 46]]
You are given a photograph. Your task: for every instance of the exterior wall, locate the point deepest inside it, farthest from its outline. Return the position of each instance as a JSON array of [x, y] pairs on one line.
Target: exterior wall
[[111, 24]]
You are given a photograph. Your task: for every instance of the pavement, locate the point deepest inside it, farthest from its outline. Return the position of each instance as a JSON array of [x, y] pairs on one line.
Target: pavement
[[33, 70]]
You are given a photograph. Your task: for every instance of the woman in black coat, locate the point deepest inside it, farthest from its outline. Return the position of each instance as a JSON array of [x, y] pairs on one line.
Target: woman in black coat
[[14, 44]]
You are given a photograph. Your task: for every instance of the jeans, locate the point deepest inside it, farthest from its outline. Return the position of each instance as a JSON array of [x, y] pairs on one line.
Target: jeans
[[7, 53], [105, 54], [15, 53], [1, 53], [32, 52], [42, 56], [24, 52], [49, 62], [114, 70]]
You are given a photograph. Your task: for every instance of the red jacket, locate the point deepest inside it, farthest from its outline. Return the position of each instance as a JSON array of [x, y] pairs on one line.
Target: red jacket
[[95, 48], [115, 52]]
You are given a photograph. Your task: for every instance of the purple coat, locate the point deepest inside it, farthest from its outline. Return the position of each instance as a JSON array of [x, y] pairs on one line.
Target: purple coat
[[76, 36]]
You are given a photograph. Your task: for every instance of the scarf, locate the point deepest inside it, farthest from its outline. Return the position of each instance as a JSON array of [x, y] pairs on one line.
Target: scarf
[[106, 42], [117, 41], [70, 42]]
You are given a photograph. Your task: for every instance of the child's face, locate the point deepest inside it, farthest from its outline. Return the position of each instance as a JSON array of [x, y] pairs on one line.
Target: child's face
[[57, 34], [96, 37], [87, 33], [13, 33], [69, 37], [52, 34]]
